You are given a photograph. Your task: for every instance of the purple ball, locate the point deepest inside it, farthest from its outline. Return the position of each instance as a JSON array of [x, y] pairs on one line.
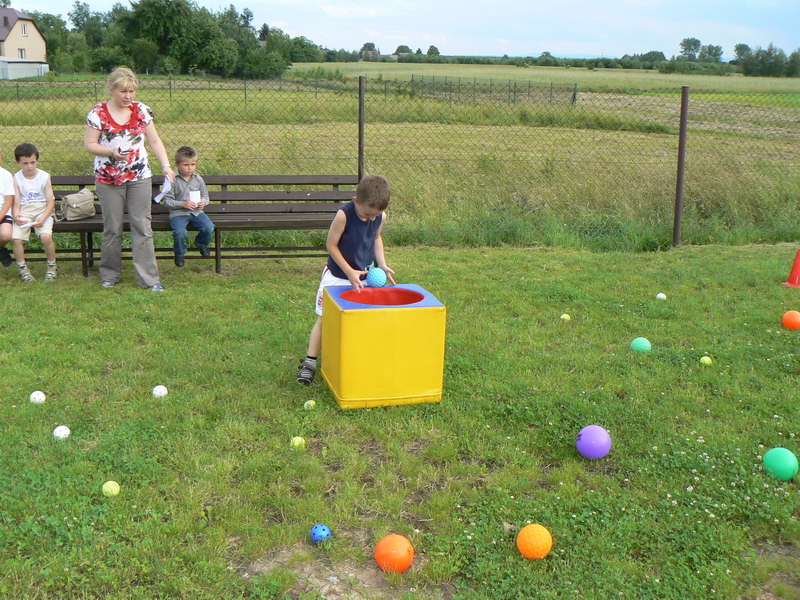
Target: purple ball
[[593, 442]]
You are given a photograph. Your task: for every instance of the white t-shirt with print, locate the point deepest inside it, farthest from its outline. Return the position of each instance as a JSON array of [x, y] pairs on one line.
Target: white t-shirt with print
[[6, 185], [32, 190], [6, 190]]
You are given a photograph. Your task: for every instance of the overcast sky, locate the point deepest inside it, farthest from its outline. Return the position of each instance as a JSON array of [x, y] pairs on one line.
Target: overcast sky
[[517, 28]]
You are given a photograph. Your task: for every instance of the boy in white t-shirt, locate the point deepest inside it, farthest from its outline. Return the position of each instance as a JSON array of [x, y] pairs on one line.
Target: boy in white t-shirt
[[6, 203], [34, 203]]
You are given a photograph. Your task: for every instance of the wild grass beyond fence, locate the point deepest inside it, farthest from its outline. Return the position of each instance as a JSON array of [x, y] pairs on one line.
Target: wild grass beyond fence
[[470, 161]]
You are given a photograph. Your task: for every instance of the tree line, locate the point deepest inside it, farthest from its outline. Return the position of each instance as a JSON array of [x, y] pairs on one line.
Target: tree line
[[693, 58], [177, 36], [174, 36]]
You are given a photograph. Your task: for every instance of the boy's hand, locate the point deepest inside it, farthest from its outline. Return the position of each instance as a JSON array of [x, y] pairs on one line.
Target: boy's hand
[[389, 273], [189, 205], [355, 280], [21, 220]]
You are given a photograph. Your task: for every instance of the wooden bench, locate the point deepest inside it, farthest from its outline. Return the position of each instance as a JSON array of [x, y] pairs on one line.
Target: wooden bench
[[238, 203]]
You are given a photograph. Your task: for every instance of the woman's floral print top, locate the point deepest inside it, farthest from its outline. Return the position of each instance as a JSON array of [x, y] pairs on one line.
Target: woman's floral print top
[[124, 137]]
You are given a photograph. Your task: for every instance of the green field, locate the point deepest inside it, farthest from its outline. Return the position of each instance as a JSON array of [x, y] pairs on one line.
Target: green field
[[481, 162], [481, 165], [600, 79], [215, 504]]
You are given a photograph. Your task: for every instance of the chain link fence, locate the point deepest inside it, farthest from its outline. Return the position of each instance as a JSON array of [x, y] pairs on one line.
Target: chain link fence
[[473, 161]]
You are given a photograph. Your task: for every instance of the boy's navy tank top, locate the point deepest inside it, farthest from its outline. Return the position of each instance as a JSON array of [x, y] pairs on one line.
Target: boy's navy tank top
[[357, 243]]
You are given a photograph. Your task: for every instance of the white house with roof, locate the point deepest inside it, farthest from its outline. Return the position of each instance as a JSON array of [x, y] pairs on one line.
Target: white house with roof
[[22, 46]]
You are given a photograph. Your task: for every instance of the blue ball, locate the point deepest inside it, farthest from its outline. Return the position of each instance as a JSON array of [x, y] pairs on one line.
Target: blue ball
[[320, 533], [376, 277]]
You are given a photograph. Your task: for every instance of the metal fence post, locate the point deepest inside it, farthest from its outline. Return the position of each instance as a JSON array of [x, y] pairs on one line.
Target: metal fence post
[[244, 82], [575, 95], [676, 230], [362, 89]]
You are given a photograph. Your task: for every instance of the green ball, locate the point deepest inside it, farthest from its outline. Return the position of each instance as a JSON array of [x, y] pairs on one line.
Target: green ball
[[641, 345], [110, 488], [781, 463]]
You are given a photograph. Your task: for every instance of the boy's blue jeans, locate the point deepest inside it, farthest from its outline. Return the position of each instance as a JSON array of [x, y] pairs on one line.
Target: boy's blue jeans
[[179, 225]]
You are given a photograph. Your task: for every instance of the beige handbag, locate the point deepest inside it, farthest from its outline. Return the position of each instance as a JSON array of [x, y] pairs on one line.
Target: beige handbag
[[77, 206]]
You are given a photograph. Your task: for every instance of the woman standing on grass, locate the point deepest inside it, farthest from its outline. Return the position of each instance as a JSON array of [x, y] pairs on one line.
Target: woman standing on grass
[[115, 133]]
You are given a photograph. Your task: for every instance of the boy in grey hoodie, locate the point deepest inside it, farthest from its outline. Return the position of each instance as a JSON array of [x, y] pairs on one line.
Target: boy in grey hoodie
[[186, 200]]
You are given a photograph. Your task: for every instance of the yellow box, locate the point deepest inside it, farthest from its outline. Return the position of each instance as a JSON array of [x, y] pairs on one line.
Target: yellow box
[[382, 346]]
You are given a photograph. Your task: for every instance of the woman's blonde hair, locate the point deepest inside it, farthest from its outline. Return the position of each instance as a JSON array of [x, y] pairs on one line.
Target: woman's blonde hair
[[122, 76]]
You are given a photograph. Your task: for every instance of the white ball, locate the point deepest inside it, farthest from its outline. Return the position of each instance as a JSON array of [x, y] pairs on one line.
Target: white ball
[[159, 391], [661, 296], [61, 432], [37, 397]]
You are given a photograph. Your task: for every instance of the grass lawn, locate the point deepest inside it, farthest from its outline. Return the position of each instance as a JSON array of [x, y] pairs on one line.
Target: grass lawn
[[598, 79], [215, 504]]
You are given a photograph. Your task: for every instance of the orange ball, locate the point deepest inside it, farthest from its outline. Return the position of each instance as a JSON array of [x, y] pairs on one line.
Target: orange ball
[[791, 319], [394, 553], [534, 541]]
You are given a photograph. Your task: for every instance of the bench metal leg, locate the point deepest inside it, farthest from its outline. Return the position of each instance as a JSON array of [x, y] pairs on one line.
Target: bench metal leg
[[90, 247], [84, 255], [217, 250]]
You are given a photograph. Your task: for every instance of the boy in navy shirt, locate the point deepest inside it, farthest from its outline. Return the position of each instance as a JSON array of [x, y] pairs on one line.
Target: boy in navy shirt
[[354, 243]]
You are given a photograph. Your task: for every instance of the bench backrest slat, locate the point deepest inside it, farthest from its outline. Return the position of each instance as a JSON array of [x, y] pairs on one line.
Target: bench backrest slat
[[271, 208], [270, 180], [258, 188]]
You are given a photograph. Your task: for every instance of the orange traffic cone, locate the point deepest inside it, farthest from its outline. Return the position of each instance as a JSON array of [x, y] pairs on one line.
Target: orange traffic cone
[[794, 275]]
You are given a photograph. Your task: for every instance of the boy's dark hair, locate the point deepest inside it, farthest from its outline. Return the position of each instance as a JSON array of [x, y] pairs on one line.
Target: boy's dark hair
[[25, 150], [374, 191], [184, 153]]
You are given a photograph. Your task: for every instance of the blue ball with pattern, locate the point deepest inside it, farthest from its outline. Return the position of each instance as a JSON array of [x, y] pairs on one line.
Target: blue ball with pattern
[[320, 533], [376, 277]]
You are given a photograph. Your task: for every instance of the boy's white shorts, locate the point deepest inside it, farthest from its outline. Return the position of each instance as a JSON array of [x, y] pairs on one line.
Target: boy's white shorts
[[328, 278]]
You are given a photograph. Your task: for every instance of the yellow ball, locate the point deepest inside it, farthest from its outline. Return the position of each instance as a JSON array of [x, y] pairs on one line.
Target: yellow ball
[[298, 443], [706, 360], [310, 404], [565, 317], [534, 541], [110, 488]]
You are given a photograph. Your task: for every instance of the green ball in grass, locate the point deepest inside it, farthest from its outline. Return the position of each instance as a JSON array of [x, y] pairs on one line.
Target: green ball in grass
[[110, 488], [641, 345], [781, 463]]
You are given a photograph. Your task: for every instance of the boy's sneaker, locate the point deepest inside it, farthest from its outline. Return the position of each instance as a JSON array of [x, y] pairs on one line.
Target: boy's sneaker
[[108, 284], [50, 274], [204, 252], [5, 256], [306, 373], [157, 287], [26, 275], [179, 260]]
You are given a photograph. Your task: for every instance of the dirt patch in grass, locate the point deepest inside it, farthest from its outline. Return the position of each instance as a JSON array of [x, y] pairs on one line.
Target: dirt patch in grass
[[784, 583], [318, 576]]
